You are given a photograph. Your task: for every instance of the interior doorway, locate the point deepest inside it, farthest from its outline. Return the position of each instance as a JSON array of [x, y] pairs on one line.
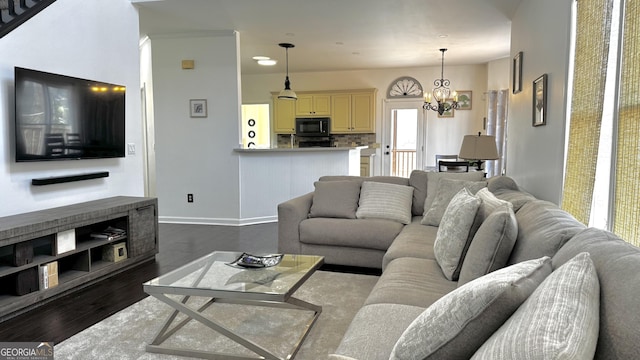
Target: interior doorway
[[404, 138]]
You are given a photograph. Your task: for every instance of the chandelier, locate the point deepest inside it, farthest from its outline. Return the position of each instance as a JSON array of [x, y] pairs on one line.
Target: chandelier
[[445, 99]]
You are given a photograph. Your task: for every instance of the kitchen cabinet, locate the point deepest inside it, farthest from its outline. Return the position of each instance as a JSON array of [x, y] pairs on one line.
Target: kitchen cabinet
[[284, 116], [313, 105], [353, 112], [365, 165]]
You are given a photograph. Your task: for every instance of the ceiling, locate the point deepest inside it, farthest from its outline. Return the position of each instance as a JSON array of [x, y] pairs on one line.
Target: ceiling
[[335, 35]]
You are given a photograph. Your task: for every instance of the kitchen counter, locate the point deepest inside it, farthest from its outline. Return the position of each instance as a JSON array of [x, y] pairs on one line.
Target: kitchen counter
[[269, 177], [302, 149]]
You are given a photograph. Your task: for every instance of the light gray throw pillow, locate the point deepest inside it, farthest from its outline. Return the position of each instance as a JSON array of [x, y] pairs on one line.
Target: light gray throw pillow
[[457, 324], [491, 245], [489, 203], [385, 201], [560, 320], [447, 189], [453, 233], [433, 182], [335, 199]]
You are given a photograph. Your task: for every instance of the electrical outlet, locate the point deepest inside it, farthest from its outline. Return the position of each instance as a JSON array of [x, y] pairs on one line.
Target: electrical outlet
[[190, 198]]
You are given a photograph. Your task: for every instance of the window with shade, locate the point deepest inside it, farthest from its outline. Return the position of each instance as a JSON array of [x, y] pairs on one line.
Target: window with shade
[[602, 181]]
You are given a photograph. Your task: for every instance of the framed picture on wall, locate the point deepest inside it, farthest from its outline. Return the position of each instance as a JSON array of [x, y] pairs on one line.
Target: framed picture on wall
[[540, 101], [465, 100], [517, 73], [447, 114], [198, 108]]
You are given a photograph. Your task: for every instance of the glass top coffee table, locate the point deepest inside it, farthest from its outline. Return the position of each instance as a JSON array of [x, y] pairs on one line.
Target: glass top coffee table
[[213, 277]]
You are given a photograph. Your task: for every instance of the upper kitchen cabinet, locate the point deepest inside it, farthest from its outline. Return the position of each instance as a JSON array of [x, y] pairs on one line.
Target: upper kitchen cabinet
[[284, 116], [313, 105], [353, 112]]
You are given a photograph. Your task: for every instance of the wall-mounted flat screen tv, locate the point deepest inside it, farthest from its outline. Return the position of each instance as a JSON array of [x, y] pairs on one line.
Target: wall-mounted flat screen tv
[[66, 118]]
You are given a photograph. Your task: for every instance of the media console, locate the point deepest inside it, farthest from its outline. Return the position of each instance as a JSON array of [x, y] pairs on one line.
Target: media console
[[49, 253]]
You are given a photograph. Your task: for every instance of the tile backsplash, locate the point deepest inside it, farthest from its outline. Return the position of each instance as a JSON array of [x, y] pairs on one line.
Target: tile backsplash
[[339, 140]]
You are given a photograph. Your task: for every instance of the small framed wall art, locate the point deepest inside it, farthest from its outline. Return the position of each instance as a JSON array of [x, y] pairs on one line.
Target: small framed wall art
[[198, 108], [540, 101], [465, 100], [517, 73]]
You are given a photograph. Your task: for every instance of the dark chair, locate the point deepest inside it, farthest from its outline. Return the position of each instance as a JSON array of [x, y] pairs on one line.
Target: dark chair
[[453, 166], [445, 157]]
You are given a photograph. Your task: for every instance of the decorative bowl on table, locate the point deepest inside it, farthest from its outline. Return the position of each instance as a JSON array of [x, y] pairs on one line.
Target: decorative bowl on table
[[257, 261]]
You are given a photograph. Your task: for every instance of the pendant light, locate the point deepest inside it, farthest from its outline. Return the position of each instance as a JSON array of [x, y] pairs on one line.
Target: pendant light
[[287, 93]]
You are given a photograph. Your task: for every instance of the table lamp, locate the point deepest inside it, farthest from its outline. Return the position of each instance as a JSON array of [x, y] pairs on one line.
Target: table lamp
[[477, 148]]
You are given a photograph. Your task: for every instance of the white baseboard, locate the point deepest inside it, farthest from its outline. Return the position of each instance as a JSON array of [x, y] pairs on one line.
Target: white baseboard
[[213, 221]]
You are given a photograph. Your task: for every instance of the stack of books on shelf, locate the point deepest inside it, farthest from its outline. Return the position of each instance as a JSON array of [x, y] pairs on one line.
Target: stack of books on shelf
[[110, 233]]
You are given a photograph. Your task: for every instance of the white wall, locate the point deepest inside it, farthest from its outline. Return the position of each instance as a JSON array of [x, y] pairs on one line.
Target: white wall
[[96, 40], [195, 155], [541, 30], [498, 72], [444, 134]]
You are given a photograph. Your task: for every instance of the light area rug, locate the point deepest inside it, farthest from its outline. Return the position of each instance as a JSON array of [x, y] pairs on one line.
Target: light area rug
[[125, 334]]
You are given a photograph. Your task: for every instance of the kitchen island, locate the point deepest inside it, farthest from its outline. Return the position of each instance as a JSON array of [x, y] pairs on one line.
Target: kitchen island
[[271, 176]]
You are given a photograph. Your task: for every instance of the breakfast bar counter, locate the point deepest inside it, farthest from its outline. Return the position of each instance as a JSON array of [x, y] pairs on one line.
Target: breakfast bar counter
[[274, 175]]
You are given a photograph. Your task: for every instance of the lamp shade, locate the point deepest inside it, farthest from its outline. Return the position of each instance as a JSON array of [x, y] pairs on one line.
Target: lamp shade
[[478, 147]]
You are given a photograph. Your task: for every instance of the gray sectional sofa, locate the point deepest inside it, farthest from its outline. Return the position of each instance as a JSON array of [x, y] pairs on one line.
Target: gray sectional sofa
[[522, 258]]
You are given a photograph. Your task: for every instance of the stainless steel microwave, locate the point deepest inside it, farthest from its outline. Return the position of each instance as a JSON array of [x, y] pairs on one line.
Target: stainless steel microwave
[[312, 126]]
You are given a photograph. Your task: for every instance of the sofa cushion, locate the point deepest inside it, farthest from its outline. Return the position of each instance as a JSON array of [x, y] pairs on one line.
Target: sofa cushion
[[491, 245], [558, 321], [455, 326], [418, 180], [515, 197], [375, 329], [415, 240], [385, 201], [360, 179], [447, 189], [358, 233], [433, 183], [411, 281], [542, 229], [489, 203], [453, 233], [618, 265], [335, 199]]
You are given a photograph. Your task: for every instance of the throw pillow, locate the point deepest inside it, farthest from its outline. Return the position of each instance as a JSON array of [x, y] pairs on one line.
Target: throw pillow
[[491, 245], [457, 324], [453, 233], [433, 182], [447, 188], [385, 201], [489, 203], [560, 320], [335, 199]]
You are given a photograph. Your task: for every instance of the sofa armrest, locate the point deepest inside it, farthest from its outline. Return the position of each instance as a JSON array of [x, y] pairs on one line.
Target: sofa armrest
[[290, 214]]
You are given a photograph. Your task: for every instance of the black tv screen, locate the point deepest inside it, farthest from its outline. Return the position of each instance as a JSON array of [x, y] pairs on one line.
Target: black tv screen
[[65, 118]]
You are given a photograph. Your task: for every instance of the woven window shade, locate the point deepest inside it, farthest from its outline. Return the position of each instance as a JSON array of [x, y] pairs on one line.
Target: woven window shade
[[590, 70], [626, 222]]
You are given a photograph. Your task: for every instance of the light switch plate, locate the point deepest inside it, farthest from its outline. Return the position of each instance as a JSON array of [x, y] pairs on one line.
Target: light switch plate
[[131, 148]]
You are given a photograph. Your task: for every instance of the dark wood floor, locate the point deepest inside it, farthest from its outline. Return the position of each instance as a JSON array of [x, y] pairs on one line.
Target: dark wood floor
[[179, 244]]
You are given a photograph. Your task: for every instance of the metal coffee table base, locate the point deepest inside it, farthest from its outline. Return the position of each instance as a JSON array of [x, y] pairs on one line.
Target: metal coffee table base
[[167, 330]]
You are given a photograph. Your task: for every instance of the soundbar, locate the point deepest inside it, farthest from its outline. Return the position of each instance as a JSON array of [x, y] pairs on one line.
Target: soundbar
[[68, 178]]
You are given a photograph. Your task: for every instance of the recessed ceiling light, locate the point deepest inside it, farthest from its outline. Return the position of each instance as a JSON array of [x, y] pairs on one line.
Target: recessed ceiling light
[[442, 36], [267, 62], [256, 58], [290, 34]]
